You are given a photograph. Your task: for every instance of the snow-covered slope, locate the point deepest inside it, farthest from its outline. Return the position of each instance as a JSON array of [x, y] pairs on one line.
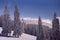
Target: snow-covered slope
[[0, 30], [22, 37]]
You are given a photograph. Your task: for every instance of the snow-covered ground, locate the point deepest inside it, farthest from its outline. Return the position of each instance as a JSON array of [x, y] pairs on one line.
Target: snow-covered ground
[[22, 37], [0, 30]]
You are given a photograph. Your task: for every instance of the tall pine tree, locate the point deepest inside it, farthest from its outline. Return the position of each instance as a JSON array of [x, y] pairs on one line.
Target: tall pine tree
[[17, 28], [40, 34], [5, 22], [55, 28]]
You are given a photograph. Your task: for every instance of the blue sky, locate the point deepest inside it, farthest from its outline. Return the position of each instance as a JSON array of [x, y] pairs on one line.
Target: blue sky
[[32, 8]]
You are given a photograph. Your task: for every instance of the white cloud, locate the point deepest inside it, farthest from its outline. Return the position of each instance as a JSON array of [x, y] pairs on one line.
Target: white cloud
[[28, 20], [46, 22], [59, 19], [36, 20]]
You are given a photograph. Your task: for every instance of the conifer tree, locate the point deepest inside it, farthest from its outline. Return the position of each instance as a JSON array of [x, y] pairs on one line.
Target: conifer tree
[[17, 28], [5, 22], [55, 28], [40, 35]]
